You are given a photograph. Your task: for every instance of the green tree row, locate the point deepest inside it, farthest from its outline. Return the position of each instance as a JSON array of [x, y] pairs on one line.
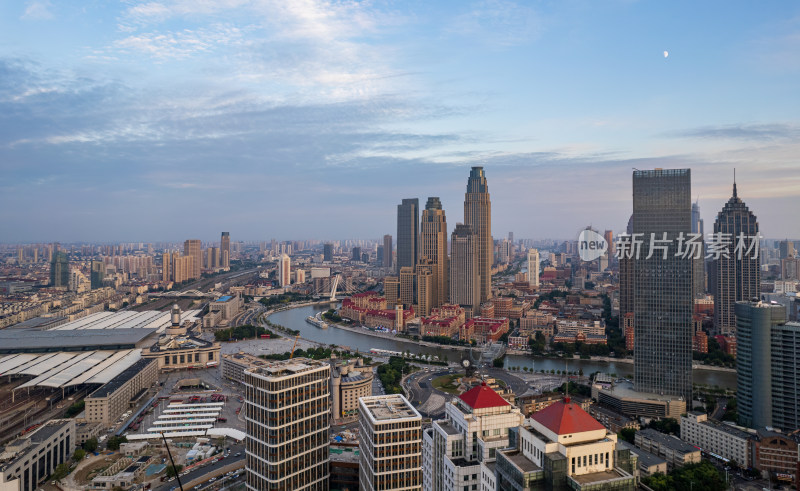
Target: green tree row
[[390, 374], [242, 332], [702, 475]]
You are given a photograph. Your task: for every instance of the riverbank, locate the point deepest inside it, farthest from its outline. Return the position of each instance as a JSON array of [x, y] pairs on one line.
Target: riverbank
[[294, 317]]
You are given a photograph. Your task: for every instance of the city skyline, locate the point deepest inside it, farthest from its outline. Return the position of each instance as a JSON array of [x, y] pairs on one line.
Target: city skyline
[[217, 103]]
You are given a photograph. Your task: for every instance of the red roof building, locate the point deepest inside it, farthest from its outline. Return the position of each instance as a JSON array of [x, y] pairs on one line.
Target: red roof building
[[483, 397], [566, 418]]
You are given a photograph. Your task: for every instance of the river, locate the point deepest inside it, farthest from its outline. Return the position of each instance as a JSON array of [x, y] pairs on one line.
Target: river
[[296, 319]]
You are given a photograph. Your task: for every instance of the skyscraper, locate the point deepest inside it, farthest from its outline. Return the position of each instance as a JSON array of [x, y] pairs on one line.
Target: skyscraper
[[59, 270], [327, 252], [287, 415], [193, 248], [406, 287], [390, 444], [407, 233], [433, 248], [533, 268], [626, 274], [478, 216], [738, 275], [426, 287], [98, 274], [284, 270], [225, 249], [755, 321], [786, 249], [387, 251], [464, 279], [355, 254], [662, 300], [699, 262]]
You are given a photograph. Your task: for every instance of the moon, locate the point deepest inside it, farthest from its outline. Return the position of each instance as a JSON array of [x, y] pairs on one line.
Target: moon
[[666, 54]]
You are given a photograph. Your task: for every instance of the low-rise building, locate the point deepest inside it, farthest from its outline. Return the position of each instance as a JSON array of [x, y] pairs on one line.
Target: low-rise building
[[717, 439], [483, 330], [676, 452], [537, 321], [85, 431], [28, 461], [620, 396], [107, 403], [180, 347], [611, 419], [649, 464], [777, 455], [349, 382]]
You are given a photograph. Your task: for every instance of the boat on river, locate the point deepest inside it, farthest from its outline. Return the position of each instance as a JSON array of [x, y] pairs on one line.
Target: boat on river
[[317, 321]]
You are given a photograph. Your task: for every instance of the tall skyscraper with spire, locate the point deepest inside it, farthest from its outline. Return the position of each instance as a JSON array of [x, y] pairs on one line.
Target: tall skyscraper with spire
[[478, 217], [738, 277], [433, 248], [662, 283], [407, 233]]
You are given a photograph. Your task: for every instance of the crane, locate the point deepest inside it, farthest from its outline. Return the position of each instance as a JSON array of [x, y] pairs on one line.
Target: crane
[[291, 355]]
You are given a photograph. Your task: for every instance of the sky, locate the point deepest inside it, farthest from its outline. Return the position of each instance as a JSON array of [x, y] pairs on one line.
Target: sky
[[163, 120]]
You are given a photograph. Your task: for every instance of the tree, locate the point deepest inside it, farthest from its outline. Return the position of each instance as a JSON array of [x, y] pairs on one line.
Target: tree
[[498, 362], [62, 470], [174, 470], [115, 441], [628, 434], [669, 426], [90, 445], [79, 455]]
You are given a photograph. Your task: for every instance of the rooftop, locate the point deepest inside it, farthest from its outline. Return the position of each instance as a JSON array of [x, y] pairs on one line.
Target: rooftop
[[225, 298], [518, 459], [19, 449], [38, 322], [14, 341], [566, 417], [669, 441], [731, 430], [482, 397], [286, 368], [386, 408], [601, 477], [115, 383], [624, 389], [645, 457]]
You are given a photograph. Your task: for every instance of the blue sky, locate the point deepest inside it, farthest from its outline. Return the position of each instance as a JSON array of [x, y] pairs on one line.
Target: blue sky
[[161, 120]]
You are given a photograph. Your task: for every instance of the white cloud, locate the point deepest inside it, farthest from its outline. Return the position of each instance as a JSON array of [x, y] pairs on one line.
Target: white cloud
[[37, 10], [500, 23], [179, 44]]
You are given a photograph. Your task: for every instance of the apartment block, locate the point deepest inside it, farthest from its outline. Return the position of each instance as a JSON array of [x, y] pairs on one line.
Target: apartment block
[[390, 444]]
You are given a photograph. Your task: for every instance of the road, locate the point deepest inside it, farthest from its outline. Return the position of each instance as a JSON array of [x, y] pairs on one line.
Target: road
[[200, 472], [719, 411], [249, 315]]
